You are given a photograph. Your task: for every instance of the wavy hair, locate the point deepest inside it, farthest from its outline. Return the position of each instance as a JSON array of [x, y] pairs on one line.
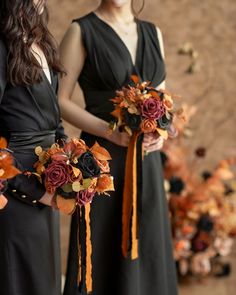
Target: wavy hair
[[21, 25]]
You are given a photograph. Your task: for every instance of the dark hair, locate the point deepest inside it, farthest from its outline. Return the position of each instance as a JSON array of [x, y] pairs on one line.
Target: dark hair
[[21, 25], [137, 12]]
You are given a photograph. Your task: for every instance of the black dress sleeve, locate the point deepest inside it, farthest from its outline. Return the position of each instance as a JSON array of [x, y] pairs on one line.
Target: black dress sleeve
[[26, 188]]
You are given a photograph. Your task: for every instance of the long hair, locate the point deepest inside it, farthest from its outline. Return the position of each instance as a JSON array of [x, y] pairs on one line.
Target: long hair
[[21, 25], [137, 12]]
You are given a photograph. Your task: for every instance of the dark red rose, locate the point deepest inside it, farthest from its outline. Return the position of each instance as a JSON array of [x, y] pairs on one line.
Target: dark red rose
[[153, 108], [84, 197], [57, 174]]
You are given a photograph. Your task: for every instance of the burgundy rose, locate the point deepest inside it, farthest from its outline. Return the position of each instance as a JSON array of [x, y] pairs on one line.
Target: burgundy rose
[[152, 108], [57, 174], [84, 197]]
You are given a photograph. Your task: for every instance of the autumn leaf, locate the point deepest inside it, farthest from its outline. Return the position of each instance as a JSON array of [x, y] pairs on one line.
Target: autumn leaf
[[100, 153], [105, 183], [66, 206], [3, 143], [135, 79], [10, 172]]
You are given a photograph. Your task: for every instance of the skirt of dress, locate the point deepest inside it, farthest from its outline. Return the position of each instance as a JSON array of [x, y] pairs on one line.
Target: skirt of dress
[[154, 272], [29, 246]]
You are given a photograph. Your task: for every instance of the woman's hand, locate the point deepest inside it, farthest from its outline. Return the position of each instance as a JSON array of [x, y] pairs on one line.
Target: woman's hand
[[152, 142], [119, 138]]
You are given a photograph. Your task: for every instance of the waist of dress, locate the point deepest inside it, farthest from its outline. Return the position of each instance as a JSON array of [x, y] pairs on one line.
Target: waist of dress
[[28, 140]]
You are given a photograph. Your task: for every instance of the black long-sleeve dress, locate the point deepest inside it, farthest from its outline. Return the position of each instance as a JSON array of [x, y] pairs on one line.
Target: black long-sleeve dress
[[29, 231], [108, 67]]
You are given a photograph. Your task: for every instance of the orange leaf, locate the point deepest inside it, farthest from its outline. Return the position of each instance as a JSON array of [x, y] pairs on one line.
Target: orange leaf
[[10, 172], [135, 79], [3, 202], [66, 206], [3, 143], [105, 183], [154, 94], [100, 153], [116, 113]]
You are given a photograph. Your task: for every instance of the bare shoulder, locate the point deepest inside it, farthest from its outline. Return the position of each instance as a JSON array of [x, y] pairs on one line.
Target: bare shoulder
[[160, 38]]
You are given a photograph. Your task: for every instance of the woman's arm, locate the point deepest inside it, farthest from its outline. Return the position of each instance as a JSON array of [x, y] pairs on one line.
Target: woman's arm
[[73, 55]]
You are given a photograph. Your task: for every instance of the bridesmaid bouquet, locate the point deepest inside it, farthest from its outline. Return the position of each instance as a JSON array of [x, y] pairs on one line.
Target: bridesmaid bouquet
[[139, 109], [143, 109], [74, 172], [7, 170]]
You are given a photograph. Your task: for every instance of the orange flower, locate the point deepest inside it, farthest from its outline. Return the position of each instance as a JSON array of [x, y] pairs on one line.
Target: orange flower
[[168, 102], [148, 126], [105, 183]]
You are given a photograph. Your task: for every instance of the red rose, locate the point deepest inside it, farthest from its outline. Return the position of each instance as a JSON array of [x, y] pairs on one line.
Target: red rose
[[84, 197], [57, 174], [152, 108]]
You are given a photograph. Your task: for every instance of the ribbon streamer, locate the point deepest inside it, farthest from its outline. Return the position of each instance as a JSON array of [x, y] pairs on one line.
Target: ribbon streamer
[[129, 214]]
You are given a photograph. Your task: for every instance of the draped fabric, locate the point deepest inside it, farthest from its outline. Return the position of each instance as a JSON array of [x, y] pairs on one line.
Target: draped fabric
[[29, 231], [108, 67]]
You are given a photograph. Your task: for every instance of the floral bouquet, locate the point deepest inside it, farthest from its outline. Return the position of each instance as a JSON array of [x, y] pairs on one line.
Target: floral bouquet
[[139, 109], [144, 109], [7, 170], [74, 173]]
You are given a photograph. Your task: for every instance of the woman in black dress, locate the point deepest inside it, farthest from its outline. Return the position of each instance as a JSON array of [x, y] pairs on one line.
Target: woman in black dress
[[101, 51], [29, 116]]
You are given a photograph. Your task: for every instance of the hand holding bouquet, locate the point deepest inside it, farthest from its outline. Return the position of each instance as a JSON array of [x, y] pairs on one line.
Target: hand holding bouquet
[[140, 110], [74, 172], [7, 170]]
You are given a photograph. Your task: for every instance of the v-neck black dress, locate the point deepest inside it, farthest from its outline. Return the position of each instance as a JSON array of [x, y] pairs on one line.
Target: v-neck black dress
[[29, 231], [108, 67]]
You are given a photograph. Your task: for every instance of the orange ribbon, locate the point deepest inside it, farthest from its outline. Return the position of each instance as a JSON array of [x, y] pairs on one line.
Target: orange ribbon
[[88, 275], [129, 214]]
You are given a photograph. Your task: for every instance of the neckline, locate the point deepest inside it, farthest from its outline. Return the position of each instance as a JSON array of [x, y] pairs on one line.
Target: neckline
[[135, 61]]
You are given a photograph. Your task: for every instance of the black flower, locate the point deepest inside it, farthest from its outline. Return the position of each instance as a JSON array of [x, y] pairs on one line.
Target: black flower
[[164, 122], [132, 120], [88, 165]]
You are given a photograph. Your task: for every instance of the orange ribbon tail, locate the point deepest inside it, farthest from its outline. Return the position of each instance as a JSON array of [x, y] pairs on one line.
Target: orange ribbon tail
[[129, 214]]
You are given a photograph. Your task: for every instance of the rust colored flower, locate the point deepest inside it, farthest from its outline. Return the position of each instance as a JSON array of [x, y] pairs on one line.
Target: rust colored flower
[[148, 125], [152, 108], [57, 174], [105, 183]]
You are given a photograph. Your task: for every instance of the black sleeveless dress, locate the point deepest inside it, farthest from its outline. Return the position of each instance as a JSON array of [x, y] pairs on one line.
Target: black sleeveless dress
[[108, 67], [29, 231]]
